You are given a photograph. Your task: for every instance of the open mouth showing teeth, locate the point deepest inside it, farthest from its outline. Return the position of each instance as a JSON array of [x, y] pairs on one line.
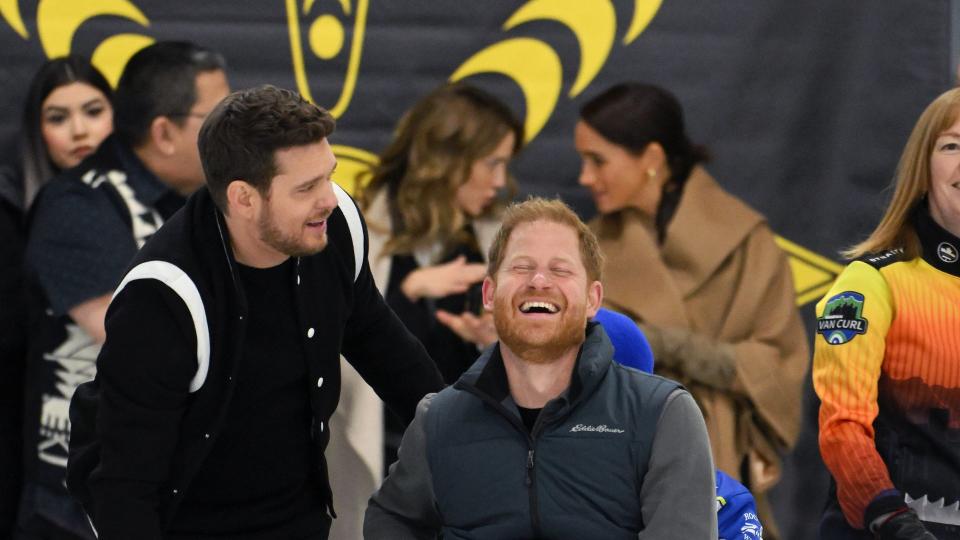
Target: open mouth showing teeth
[[538, 307]]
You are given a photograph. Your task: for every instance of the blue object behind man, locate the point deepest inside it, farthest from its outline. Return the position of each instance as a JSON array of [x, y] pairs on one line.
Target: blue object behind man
[[736, 509]]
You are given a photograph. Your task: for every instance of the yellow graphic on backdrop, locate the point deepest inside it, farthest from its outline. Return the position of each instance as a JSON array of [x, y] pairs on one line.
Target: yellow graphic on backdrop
[[593, 23], [540, 76], [643, 13], [326, 38], [112, 54], [10, 11], [533, 65], [351, 164], [812, 274], [59, 20]]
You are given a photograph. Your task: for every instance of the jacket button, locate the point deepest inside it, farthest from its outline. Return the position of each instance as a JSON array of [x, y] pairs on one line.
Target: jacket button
[[321, 427], [206, 435], [310, 332], [319, 382], [176, 491], [298, 279]]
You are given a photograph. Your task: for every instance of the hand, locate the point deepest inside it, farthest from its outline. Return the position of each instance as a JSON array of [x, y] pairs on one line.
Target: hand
[[442, 280], [479, 330], [692, 355], [904, 526]]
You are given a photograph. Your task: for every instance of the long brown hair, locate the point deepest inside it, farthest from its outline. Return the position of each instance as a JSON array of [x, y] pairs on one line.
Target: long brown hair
[[911, 182], [434, 146]]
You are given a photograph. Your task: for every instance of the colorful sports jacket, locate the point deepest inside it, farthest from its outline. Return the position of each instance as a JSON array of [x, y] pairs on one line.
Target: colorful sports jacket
[[887, 370]]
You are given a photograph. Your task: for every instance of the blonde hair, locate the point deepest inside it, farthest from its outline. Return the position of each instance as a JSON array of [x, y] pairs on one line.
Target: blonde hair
[[912, 181], [555, 211], [434, 147]]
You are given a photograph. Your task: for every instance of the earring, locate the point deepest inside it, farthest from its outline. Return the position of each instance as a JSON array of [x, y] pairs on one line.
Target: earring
[[651, 173]]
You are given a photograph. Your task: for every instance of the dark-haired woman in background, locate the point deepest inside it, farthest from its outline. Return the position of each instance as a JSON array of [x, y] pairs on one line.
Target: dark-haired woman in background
[[700, 272], [68, 113]]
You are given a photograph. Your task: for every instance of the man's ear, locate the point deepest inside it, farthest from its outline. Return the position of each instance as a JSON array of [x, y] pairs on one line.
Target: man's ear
[[163, 134], [242, 199], [594, 298], [488, 289]]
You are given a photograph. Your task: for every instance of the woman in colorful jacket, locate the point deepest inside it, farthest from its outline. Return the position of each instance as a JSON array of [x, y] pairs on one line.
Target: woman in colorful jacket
[[886, 361], [699, 270]]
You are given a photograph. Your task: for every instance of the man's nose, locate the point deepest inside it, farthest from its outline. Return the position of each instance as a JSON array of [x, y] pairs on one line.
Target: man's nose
[[327, 199], [540, 280]]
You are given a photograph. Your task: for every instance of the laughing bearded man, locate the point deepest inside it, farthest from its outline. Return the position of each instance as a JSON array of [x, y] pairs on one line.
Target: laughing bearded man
[[545, 436]]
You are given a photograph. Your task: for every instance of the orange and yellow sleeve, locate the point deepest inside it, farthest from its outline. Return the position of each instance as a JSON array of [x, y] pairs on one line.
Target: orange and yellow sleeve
[[852, 324]]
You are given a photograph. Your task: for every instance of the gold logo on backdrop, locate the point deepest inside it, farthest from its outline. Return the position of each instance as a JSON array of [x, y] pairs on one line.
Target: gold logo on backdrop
[[59, 20], [812, 274], [326, 37], [536, 67]]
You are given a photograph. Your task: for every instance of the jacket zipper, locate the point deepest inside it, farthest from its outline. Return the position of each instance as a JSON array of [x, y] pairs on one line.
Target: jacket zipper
[[530, 466], [532, 476]]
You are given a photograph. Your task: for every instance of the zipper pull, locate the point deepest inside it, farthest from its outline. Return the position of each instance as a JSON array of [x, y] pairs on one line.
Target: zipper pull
[[530, 467]]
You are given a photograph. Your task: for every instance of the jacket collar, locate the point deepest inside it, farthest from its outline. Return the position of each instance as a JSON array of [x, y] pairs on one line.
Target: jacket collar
[[145, 184], [941, 249], [488, 377], [708, 226]]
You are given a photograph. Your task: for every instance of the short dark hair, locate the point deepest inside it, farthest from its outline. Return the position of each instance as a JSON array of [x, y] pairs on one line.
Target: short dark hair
[[633, 115], [160, 80], [239, 138], [57, 72]]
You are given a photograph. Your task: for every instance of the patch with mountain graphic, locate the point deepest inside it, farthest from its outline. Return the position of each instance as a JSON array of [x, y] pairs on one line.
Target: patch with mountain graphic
[[842, 318]]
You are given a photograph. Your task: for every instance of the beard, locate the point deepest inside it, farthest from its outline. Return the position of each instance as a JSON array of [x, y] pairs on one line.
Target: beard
[[541, 341], [288, 244]]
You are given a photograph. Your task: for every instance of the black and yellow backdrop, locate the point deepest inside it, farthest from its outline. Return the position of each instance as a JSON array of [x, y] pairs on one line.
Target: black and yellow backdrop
[[804, 104]]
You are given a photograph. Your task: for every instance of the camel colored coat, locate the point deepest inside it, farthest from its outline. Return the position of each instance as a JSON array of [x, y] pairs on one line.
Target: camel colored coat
[[719, 274]]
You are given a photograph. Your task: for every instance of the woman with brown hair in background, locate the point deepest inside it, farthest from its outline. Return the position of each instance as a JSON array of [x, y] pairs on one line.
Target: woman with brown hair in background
[[432, 208], [699, 271]]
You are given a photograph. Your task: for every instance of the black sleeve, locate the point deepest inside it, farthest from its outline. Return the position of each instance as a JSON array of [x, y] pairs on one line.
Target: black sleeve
[[415, 315], [12, 363], [78, 246], [144, 371], [388, 357]]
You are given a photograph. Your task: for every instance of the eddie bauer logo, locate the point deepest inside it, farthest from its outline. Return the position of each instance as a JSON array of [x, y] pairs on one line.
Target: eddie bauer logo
[[842, 318], [594, 429]]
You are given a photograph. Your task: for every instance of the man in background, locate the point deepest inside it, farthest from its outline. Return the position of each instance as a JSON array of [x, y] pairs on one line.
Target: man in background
[[86, 226]]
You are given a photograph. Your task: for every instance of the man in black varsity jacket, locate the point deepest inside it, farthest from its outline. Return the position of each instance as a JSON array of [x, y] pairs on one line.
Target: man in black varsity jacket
[[220, 370]]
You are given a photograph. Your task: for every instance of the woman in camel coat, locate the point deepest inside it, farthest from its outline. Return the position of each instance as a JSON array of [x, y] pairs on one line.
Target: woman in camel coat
[[699, 271]]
